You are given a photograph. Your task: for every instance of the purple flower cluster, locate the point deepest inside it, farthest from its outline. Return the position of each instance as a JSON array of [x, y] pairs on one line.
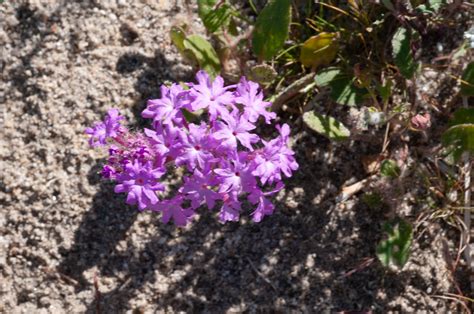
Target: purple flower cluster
[[223, 161]]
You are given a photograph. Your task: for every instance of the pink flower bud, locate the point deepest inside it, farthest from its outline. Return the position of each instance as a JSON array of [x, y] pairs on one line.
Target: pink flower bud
[[421, 122]]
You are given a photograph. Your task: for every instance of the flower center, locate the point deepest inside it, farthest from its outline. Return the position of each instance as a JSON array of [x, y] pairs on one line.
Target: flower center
[[234, 133], [140, 181], [197, 147]]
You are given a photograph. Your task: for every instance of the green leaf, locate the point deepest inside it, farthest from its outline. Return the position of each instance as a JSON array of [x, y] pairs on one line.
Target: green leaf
[[463, 116], [327, 126], [388, 4], [205, 54], [343, 90], [385, 91], [373, 200], [178, 36], [191, 117], [396, 248], [389, 168], [271, 28], [205, 7], [460, 136], [262, 73], [319, 50], [326, 76], [467, 84], [402, 55], [213, 18], [431, 6], [232, 28]]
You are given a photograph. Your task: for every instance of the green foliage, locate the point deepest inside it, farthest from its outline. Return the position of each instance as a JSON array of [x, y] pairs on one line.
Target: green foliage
[[319, 50], [189, 116], [204, 53], [214, 17], [467, 83], [389, 168], [327, 126], [460, 136], [178, 36], [343, 90], [271, 28], [205, 7], [262, 73], [396, 248], [385, 91], [388, 4], [372, 200], [402, 53], [431, 6]]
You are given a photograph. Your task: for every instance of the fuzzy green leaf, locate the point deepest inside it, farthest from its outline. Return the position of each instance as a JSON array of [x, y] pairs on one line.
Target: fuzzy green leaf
[[389, 168], [271, 28], [262, 73], [327, 75], [327, 126], [213, 18], [319, 50], [396, 248], [205, 54], [343, 90], [463, 116], [205, 7], [402, 54], [460, 136], [178, 36], [467, 84]]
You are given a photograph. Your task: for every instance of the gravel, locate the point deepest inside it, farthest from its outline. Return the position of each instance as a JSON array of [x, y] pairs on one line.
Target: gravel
[[69, 244]]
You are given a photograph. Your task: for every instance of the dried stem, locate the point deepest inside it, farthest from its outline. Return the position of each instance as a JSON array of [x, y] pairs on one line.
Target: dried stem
[[467, 166], [261, 275]]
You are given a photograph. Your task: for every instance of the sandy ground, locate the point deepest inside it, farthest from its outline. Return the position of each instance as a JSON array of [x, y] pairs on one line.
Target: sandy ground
[[69, 244]]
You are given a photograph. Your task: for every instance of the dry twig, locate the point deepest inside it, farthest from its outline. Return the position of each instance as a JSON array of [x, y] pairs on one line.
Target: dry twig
[[467, 166], [261, 275]]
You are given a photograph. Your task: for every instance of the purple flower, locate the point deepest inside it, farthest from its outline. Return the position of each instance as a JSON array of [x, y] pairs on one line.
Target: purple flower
[[275, 158], [166, 141], [236, 176], [198, 189], [173, 209], [230, 209], [211, 96], [167, 109], [140, 182], [264, 206], [222, 156], [110, 127], [248, 94], [108, 172], [194, 148], [235, 129]]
